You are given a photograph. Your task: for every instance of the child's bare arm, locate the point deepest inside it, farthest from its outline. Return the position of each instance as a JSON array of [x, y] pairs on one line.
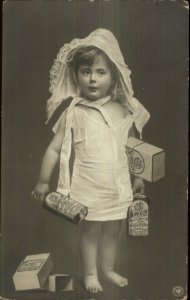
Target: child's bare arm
[[50, 159], [138, 183]]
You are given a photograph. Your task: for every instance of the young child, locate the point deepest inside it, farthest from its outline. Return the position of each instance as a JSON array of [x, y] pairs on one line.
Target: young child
[[97, 123]]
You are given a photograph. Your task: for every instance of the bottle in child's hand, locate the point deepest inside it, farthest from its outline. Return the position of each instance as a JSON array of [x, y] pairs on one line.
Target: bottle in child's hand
[[138, 216], [66, 207]]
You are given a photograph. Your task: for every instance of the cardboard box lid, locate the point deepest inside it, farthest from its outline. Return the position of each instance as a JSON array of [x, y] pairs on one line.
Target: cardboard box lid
[[32, 264], [148, 148]]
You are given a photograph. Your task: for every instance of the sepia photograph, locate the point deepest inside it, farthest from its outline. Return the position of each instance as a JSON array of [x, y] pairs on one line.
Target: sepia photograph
[[94, 150]]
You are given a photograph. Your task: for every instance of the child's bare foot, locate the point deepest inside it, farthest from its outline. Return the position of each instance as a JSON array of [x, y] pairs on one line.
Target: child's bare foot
[[92, 284], [116, 278]]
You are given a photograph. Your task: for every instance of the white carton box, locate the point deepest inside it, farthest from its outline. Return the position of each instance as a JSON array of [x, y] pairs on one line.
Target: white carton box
[[59, 282], [145, 160], [33, 272]]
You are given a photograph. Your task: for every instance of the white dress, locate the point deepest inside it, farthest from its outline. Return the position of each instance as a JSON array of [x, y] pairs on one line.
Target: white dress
[[101, 178]]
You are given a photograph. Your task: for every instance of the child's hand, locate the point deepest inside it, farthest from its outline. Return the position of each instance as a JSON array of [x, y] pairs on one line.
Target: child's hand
[[40, 190], [138, 185]]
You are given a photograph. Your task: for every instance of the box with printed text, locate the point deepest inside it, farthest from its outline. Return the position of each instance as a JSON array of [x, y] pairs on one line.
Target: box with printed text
[[33, 272], [145, 160]]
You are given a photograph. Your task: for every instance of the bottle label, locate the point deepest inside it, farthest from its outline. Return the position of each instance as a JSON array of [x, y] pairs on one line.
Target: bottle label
[[138, 218], [66, 206]]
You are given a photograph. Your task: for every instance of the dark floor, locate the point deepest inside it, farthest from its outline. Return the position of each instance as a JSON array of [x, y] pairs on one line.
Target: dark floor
[[135, 291]]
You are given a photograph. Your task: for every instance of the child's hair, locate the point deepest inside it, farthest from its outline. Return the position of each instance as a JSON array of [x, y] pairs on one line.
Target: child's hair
[[87, 56]]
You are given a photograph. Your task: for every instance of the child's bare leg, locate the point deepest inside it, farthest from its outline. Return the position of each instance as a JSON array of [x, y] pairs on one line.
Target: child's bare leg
[[89, 238], [108, 249]]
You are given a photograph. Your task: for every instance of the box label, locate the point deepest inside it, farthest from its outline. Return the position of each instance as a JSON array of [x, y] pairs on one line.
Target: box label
[[136, 161], [31, 265]]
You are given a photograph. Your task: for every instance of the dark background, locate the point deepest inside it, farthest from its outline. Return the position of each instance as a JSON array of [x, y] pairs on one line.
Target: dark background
[[153, 36]]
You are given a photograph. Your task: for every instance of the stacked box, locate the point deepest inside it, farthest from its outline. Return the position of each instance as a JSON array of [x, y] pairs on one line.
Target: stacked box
[[33, 272], [145, 160]]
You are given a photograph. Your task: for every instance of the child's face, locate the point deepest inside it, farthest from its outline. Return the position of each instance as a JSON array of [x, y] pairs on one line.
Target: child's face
[[95, 80]]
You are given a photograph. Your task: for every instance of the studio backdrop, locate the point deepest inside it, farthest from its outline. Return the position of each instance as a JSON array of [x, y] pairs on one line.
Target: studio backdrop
[[153, 37]]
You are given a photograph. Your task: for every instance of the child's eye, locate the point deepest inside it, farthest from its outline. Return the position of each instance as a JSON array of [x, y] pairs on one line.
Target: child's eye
[[85, 72], [100, 73]]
